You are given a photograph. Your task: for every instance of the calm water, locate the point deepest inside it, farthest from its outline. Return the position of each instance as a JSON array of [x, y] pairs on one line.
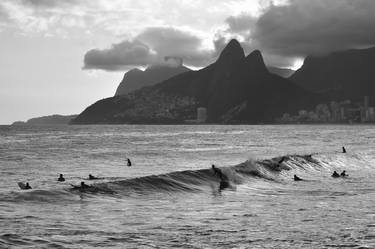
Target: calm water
[[154, 205]]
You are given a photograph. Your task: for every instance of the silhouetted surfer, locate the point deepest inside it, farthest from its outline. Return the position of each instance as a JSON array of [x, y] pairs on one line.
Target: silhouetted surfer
[[343, 150], [91, 177], [223, 178], [83, 185], [129, 163], [343, 174], [335, 174], [24, 186], [61, 178], [296, 178]]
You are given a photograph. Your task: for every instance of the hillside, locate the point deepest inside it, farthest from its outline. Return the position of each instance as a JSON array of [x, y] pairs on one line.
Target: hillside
[[136, 79], [234, 89], [341, 75]]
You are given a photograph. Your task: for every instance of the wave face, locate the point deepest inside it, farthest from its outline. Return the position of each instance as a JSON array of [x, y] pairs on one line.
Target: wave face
[[312, 167]]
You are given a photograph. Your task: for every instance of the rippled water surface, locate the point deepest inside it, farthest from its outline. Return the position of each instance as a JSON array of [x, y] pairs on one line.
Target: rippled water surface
[[170, 197]]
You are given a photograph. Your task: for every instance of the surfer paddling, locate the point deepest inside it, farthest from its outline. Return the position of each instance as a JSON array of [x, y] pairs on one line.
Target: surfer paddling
[[296, 178]]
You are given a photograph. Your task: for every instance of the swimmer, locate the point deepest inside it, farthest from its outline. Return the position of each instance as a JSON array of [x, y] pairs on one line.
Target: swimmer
[[296, 178], [335, 174], [61, 178]]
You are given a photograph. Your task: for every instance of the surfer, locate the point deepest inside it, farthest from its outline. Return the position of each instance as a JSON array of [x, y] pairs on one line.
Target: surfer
[[281, 160], [343, 174], [343, 150], [24, 186], [296, 178], [61, 178], [83, 185], [91, 177], [224, 183], [335, 174], [129, 163]]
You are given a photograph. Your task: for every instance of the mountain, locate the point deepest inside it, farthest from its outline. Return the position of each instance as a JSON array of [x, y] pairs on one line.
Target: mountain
[[48, 120], [283, 72], [341, 75], [136, 79], [234, 89]]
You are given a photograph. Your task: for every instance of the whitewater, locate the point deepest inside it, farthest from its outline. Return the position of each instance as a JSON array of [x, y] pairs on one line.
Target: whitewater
[[170, 197]]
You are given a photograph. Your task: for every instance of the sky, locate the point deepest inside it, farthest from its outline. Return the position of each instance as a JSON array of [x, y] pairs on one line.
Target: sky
[[60, 56]]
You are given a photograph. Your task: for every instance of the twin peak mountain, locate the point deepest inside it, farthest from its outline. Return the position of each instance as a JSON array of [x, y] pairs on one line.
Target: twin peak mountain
[[234, 89]]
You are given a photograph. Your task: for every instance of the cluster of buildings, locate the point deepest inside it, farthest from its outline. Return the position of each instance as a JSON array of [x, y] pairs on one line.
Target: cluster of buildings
[[335, 112]]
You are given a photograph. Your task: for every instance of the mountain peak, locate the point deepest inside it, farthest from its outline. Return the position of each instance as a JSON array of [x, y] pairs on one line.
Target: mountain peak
[[255, 60], [233, 51]]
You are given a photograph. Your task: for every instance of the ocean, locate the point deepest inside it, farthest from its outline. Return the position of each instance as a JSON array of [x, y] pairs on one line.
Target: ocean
[[170, 196]]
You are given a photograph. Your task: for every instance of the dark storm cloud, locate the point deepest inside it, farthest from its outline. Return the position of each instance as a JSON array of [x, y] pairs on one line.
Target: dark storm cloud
[[305, 27], [120, 56], [152, 46]]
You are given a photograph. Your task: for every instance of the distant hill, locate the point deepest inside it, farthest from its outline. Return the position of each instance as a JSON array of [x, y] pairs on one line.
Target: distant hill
[[283, 72], [136, 78], [48, 120], [341, 75], [234, 89]]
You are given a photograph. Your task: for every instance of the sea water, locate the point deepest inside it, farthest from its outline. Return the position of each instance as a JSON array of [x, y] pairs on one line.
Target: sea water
[[170, 197]]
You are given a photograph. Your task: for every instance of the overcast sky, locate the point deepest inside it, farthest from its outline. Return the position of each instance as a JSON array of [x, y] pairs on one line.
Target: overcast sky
[[59, 56]]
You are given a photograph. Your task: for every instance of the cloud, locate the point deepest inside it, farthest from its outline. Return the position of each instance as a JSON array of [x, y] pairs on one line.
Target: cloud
[[120, 56], [303, 27], [154, 45]]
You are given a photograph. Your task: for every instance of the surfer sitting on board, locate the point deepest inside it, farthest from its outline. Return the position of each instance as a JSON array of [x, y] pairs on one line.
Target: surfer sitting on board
[[61, 178], [343, 150], [335, 174], [129, 163]]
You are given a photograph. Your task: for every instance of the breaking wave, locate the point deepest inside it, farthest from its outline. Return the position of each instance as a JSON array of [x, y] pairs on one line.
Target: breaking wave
[[271, 170]]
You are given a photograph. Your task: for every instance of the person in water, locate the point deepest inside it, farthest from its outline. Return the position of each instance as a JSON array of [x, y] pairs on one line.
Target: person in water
[[91, 177], [335, 174], [343, 174], [129, 163], [343, 150], [296, 178], [84, 185], [24, 186], [224, 183], [61, 178]]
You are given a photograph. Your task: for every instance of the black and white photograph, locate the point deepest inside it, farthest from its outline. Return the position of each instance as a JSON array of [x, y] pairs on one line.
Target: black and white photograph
[[197, 124]]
